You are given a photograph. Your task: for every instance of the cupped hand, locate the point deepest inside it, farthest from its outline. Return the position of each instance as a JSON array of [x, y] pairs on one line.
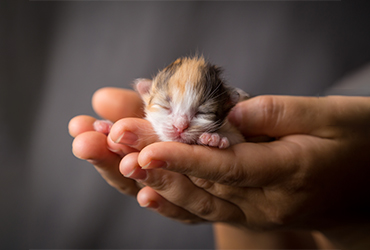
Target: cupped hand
[[313, 175], [128, 135], [111, 104]]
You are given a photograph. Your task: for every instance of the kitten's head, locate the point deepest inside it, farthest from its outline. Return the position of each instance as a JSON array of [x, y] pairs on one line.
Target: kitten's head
[[186, 99]]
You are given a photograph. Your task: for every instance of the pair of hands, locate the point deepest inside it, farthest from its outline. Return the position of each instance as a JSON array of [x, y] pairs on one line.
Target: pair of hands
[[313, 175]]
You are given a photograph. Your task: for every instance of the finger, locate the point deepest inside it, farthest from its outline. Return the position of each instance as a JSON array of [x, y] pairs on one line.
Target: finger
[[179, 190], [130, 168], [246, 164], [114, 103], [226, 192], [92, 146], [277, 116], [149, 198], [80, 124], [134, 133]]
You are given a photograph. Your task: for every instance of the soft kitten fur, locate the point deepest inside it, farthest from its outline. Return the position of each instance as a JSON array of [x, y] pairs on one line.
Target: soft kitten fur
[[188, 102]]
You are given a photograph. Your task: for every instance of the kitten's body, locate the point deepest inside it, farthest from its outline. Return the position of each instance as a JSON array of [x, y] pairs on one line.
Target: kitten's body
[[189, 102]]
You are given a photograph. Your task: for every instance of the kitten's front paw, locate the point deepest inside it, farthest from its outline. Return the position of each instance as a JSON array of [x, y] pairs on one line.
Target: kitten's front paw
[[103, 126], [214, 140]]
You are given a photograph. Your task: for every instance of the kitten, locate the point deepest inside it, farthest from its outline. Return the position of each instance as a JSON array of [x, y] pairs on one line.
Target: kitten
[[188, 102]]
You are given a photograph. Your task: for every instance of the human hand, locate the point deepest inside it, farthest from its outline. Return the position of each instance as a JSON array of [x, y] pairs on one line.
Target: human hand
[[111, 104], [313, 175], [105, 152]]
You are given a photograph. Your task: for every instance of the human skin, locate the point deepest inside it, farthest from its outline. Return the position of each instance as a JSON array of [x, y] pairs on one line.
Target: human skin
[[311, 176], [90, 145]]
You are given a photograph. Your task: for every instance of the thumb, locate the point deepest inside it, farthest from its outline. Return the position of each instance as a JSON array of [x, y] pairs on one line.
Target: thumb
[[277, 116]]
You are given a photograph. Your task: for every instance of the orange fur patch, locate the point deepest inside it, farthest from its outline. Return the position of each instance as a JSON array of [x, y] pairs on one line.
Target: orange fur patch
[[187, 75]]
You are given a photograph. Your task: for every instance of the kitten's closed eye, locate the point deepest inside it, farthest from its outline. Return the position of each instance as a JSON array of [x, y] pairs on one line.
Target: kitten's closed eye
[[205, 109], [162, 106], [205, 113]]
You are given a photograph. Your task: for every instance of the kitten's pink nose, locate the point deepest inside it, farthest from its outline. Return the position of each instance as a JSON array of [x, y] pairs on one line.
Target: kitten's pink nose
[[180, 129], [181, 123]]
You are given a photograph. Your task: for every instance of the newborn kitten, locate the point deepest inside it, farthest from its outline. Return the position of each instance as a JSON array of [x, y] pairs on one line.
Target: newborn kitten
[[188, 102]]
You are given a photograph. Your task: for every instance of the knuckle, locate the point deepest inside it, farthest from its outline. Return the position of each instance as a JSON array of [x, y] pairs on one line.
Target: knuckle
[[159, 182], [205, 208], [234, 175], [202, 183], [269, 107], [224, 192]]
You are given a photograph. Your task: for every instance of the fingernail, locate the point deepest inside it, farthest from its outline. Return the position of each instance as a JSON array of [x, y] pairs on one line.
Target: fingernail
[[155, 164], [128, 175], [150, 204], [136, 174], [127, 138], [116, 151]]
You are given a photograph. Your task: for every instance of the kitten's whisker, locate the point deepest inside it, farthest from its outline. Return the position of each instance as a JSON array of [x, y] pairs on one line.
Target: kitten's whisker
[[209, 94]]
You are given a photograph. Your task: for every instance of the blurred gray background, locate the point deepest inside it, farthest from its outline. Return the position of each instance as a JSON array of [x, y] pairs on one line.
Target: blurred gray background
[[55, 54]]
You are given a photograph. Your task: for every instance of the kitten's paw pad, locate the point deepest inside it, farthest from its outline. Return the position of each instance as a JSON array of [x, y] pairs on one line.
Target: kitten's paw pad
[[103, 126], [214, 140]]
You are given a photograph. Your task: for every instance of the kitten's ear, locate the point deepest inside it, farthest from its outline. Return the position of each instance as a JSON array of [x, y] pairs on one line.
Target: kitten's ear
[[143, 86], [237, 95], [242, 95]]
